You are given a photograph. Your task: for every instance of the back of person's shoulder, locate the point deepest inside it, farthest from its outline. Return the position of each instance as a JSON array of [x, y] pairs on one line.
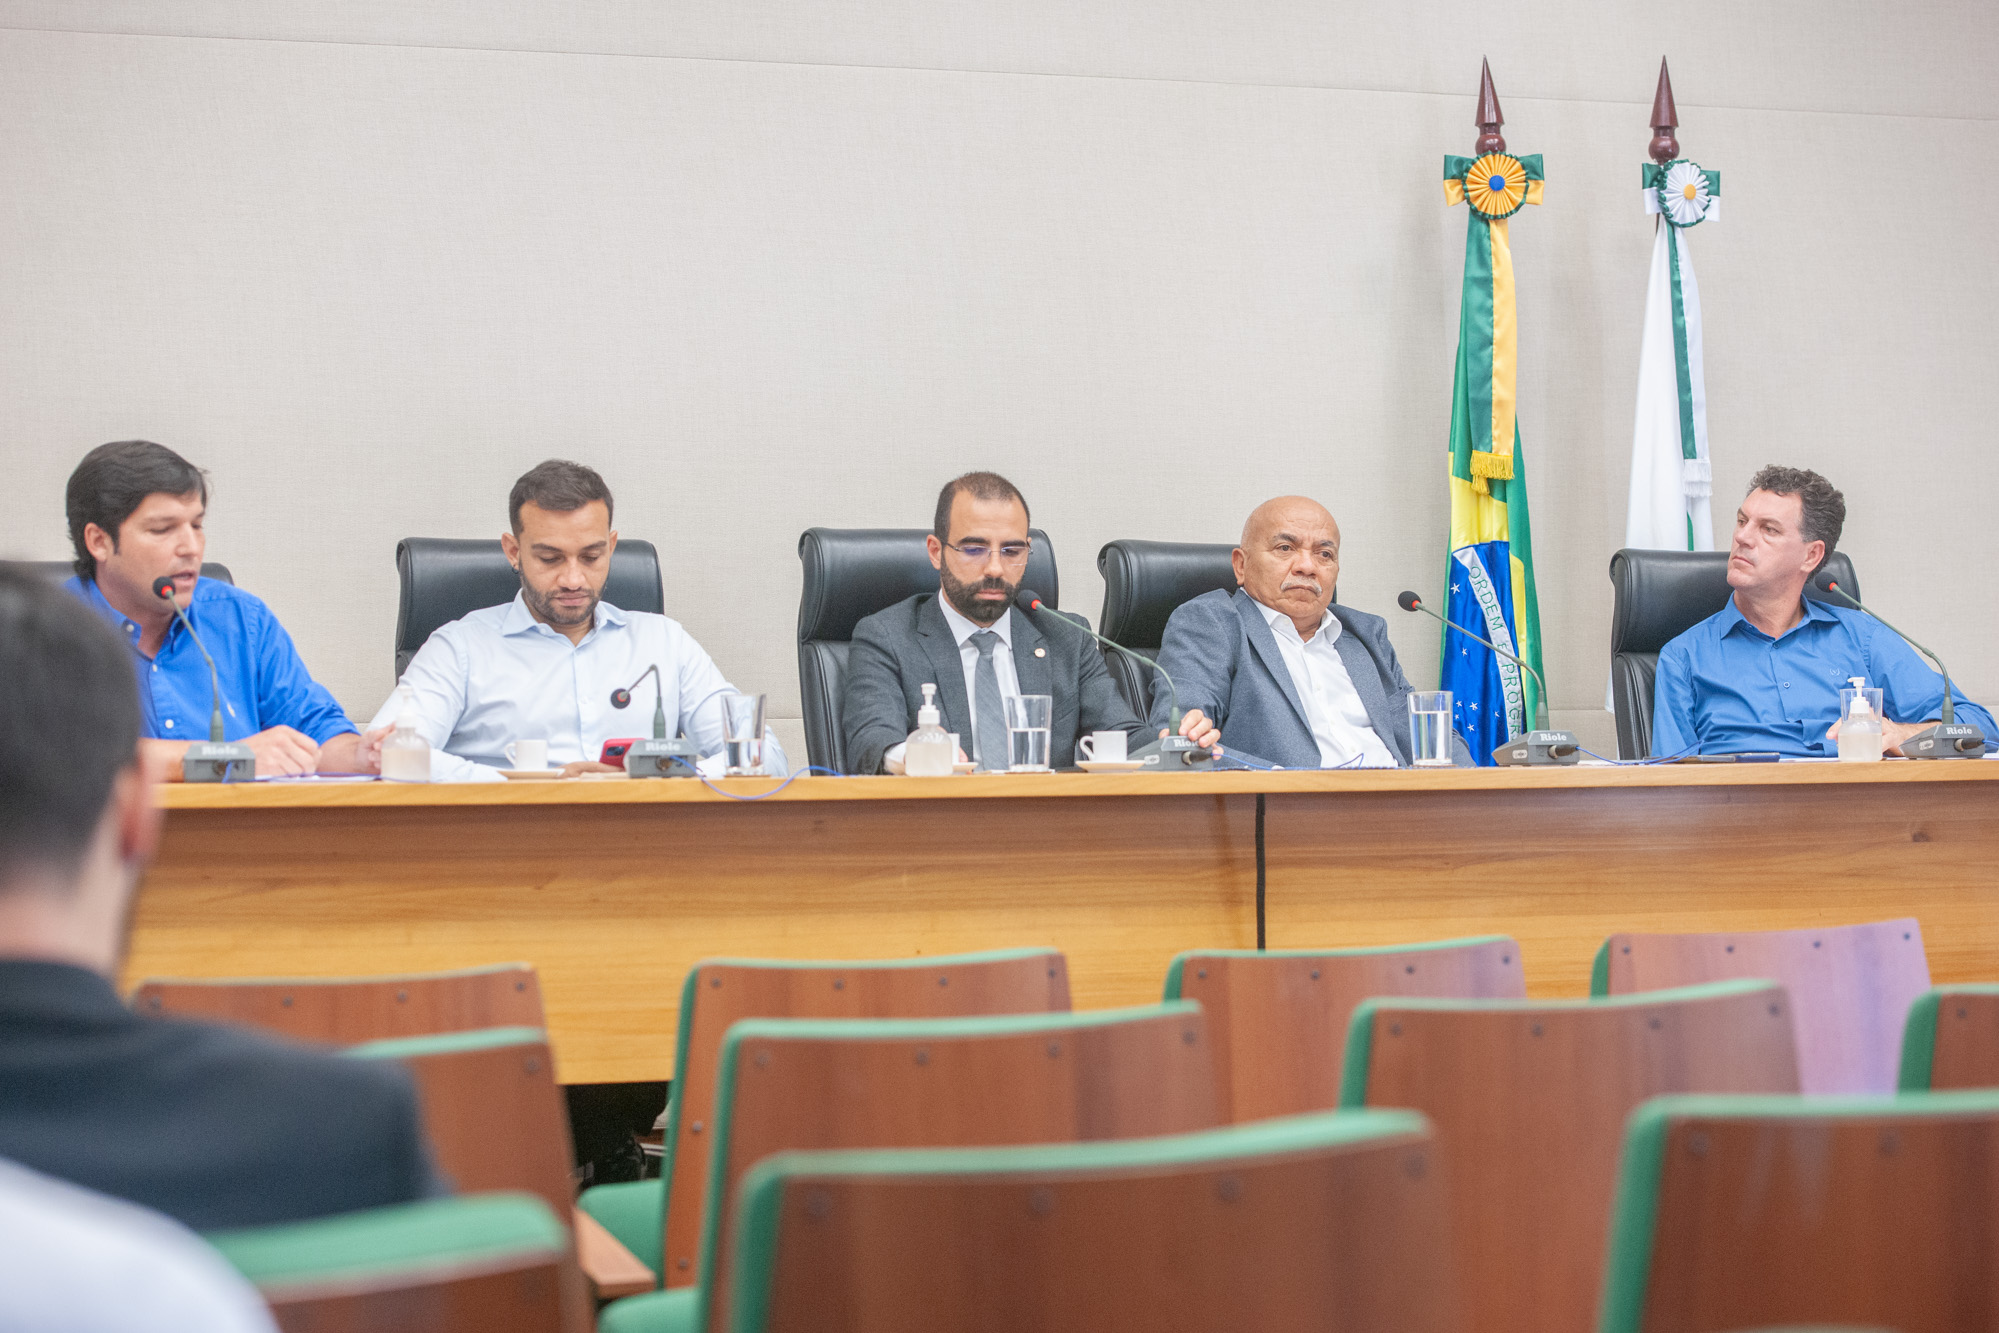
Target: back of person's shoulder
[[261, 1069]]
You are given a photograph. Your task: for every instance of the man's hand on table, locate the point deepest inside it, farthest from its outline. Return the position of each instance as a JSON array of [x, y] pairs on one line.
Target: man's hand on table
[[582, 766], [1196, 727]]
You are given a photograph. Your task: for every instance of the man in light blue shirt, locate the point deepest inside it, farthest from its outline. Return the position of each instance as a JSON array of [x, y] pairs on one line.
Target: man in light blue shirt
[[544, 666], [1764, 673], [136, 513]]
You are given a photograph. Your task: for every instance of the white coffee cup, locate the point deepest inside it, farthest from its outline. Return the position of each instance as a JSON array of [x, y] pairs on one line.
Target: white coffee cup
[[527, 754], [1103, 747]]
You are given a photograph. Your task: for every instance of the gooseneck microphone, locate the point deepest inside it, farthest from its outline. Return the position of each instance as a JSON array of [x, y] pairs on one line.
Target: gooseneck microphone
[[1540, 746], [658, 757], [623, 699], [216, 760], [1172, 748], [1948, 739]]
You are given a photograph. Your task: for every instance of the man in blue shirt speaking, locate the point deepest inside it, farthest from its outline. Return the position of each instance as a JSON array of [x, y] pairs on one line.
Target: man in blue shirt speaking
[[136, 511], [1764, 673]]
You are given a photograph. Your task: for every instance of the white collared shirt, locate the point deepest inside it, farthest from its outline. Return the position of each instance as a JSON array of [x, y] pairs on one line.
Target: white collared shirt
[[962, 629], [499, 675], [1332, 705]]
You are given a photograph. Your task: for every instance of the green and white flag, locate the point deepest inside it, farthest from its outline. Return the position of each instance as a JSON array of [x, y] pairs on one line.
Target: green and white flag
[[1671, 477]]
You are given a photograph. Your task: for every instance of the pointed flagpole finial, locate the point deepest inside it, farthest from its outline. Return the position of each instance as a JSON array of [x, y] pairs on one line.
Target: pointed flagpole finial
[[1665, 119], [1489, 117]]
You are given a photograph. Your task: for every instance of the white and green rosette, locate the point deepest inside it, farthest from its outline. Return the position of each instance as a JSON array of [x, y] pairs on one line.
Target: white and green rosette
[[1682, 192]]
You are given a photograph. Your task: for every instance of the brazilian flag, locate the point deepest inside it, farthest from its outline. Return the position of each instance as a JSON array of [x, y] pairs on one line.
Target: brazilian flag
[[1490, 573]]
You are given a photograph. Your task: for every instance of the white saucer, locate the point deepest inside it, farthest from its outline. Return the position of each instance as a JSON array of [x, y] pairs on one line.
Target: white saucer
[[1111, 765], [531, 774]]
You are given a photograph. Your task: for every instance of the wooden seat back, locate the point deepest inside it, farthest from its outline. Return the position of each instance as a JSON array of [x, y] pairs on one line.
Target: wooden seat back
[[1735, 1212], [1851, 987], [1306, 1223], [1952, 1039], [493, 1112], [719, 992], [466, 1264], [1529, 1100], [344, 1010], [1278, 1019], [1053, 1078]]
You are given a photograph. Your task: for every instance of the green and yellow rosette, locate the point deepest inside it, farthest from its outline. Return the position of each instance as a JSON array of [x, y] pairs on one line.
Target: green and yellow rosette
[[1496, 186]]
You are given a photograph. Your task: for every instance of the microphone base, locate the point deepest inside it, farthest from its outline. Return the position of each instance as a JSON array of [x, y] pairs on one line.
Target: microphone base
[[1954, 740], [662, 759], [1174, 752], [218, 761], [1539, 748]]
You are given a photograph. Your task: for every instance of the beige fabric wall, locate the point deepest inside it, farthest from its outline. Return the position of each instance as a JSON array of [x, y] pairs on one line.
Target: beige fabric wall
[[769, 266]]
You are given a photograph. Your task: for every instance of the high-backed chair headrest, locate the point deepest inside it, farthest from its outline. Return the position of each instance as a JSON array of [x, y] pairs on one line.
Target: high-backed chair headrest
[[58, 571], [444, 578], [1145, 581], [851, 573], [1663, 594]]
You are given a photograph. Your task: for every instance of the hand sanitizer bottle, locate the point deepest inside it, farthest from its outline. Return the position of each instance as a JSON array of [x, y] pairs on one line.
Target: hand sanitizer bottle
[[1860, 729], [405, 753], [929, 752]]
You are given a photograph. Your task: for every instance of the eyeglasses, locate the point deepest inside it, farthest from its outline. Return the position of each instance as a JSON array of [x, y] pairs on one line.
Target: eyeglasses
[[1012, 553]]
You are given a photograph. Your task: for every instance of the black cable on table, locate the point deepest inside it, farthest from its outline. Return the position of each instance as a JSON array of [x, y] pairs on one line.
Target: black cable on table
[[1259, 871]]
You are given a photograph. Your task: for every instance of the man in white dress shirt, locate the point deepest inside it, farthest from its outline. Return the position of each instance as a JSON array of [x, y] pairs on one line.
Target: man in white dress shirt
[[1290, 677], [544, 666]]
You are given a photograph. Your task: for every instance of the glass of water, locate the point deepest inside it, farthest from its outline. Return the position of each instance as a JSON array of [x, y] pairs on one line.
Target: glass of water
[[1028, 720], [743, 733], [1430, 728]]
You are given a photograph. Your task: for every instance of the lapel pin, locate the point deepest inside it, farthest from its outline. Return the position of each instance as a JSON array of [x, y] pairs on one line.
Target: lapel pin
[[1041, 652]]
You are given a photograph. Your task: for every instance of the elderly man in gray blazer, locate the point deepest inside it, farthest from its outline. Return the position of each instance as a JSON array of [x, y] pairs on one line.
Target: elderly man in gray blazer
[[1289, 677], [971, 642]]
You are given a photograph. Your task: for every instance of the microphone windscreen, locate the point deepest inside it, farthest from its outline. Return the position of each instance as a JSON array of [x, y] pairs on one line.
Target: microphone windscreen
[[620, 698], [1409, 601], [163, 586], [1027, 599]]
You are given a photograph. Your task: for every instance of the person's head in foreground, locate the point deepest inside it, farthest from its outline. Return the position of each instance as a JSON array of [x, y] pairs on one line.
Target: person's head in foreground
[[77, 819]]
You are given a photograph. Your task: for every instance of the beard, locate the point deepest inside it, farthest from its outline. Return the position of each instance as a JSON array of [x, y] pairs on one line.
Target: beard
[[546, 611], [964, 597]]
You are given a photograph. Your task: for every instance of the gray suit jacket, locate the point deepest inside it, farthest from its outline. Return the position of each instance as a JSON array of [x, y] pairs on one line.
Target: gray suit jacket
[[1220, 652], [898, 650]]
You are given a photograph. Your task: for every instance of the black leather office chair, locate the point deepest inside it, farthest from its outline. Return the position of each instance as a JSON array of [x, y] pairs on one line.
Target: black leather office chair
[[59, 570], [444, 578], [1660, 595], [851, 573], [1143, 583]]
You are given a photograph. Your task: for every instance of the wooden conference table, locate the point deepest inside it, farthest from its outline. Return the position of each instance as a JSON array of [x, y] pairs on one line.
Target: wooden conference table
[[613, 889]]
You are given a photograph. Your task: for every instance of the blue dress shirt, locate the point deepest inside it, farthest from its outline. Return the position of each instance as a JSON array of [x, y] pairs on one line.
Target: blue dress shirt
[[264, 684], [1726, 687], [499, 675]]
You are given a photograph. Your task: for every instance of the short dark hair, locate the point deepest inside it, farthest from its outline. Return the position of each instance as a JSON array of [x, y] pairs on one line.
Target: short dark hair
[[981, 486], [1822, 508], [558, 486], [69, 722], [115, 479]]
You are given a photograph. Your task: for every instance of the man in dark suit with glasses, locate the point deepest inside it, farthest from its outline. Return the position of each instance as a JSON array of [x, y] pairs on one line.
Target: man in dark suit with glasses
[[971, 642]]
